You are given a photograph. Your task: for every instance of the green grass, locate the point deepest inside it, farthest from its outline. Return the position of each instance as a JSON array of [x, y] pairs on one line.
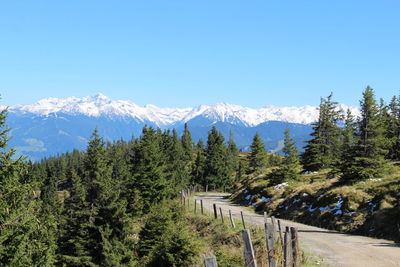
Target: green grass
[[226, 243]]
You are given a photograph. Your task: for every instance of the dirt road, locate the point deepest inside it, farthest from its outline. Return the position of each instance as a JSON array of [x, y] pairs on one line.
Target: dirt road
[[336, 249]]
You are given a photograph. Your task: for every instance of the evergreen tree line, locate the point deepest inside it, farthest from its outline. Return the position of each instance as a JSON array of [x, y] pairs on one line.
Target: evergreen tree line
[[355, 148], [352, 148], [81, 208]]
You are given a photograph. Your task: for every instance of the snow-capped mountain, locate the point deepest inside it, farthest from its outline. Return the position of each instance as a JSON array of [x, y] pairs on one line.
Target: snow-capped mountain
[[101, 106], [54, 125]]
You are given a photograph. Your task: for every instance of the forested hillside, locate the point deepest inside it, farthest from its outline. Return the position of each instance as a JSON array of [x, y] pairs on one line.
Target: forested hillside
[[111, 204]]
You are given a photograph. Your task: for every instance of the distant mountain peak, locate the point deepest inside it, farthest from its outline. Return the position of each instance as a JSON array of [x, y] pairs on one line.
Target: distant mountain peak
[[99, 105]]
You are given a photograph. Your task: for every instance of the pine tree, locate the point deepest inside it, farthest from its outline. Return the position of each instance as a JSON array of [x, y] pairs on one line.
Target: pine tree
[[216, 171], [290, 166], [368, 157], [320, 152], [102, 235], [233, 154], [148, 167], [290, 150], [178, 169], [21, 243], [348, 145], [232, 158], [258, 154], [187, 144], [199, 164], [393, 129], [165, 239]]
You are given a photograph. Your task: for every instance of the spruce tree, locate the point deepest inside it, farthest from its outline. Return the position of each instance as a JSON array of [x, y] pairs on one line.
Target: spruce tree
[[258, 154], [216, 172], [322, 150], [290, 150], [102, 236], [348, 145], [199, 164], [369, 152], [148, 168], [187, 144], [393, 129], [232, 159], [165, 240], [178, 169], [290, 166], [21, 239]]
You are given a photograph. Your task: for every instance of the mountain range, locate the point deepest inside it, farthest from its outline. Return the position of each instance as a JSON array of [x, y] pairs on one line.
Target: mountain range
[[53, 125]]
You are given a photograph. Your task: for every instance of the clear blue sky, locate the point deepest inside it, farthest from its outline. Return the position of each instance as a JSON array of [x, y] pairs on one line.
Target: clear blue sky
[[185, 53]]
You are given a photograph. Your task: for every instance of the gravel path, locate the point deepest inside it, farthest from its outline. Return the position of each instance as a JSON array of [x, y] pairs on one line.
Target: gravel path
[[336, 249]]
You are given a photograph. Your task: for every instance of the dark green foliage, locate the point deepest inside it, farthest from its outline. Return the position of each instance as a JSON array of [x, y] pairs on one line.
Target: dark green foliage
[[392, 129], [165, 239], [23, 239], [85, 208], [198, 171], [258, 154], [232, 159], [232, 154], [289, 169], [148, 169], [216, 171], [97, 228], [322, 150], [368, 156], [177, 161], [187, 144], [348, 143]]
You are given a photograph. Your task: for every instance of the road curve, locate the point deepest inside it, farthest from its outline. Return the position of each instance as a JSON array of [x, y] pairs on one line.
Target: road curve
[[336, 249]]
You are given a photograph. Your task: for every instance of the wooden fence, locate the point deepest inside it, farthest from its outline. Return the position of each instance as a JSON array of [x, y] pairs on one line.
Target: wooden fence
[[277, 240]]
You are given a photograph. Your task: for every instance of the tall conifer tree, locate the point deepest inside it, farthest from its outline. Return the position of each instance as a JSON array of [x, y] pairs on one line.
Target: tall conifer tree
[[322, 150], [368, 157], [216, 172], [22, 234], [258, 154]]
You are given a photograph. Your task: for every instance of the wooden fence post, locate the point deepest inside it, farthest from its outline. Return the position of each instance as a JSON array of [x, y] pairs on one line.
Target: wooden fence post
[[287, 252], [201, 207], [249, 257], [241, 214], [274, 233], [206, 188], [265, 217], [222, 215], [270, 243], [195, 206], [211, 262], [295, 246], [215, 211], [232, 221], [280, 231]]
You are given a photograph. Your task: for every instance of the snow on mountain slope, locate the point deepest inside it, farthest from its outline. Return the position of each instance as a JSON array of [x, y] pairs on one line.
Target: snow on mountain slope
[[100, 105]]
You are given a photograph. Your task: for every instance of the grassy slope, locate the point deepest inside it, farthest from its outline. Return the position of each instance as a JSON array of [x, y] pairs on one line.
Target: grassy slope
[[368, 207]]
